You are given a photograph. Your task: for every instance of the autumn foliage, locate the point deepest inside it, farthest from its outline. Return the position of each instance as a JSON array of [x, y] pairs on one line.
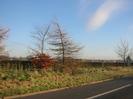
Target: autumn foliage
[[42, 61]]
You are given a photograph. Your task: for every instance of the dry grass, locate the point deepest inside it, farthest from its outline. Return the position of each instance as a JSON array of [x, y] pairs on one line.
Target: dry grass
[[13, 82]]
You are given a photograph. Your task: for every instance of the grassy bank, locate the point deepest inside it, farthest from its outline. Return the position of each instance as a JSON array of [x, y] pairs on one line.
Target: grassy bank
[[14, 82]]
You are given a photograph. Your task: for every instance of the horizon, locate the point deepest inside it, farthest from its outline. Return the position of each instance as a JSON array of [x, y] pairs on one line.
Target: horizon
[[97, 25]]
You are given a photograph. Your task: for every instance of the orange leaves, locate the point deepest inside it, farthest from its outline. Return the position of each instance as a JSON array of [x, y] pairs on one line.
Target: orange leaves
[[42, 61]]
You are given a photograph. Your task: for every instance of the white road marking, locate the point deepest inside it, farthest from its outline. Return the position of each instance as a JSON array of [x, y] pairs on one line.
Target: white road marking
[[96, 96]]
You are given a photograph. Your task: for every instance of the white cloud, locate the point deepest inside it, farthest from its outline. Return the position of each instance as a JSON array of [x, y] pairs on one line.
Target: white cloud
[[104, 13]]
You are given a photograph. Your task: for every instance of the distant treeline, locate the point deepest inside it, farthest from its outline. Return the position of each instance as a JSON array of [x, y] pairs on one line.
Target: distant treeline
[[108, 63], [25, 63], [16, 64]]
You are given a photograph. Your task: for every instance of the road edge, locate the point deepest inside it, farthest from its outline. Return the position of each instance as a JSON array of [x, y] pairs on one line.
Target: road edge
[[53, 90]]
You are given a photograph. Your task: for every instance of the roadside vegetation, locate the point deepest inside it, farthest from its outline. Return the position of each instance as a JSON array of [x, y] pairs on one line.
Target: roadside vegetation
[[16, 82]]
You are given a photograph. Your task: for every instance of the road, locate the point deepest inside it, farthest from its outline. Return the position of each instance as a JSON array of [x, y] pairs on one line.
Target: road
[[116, 89]]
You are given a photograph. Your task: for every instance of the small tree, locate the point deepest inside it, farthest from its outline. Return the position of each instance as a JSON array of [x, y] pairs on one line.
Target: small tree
[[123, 51], [128, 60], [42, 61]]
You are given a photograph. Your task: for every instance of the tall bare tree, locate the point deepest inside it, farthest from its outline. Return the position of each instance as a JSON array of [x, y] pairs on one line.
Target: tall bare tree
[[39, 58], [62, 46], [40, 36], [3, 33], [123, 50]]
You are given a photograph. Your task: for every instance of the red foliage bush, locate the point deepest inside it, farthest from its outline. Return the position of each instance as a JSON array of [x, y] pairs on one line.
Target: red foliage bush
[[42, 61]]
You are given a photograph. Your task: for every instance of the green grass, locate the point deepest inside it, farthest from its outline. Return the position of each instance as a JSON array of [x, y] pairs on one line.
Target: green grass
[[14, 82]]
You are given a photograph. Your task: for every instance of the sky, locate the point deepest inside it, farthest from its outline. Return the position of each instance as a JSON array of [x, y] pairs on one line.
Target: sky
[[98, 25]]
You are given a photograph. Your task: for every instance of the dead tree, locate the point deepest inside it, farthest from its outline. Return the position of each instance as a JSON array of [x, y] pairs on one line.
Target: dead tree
[[123, 50], [3, 34], [39, 57], [40, 36]]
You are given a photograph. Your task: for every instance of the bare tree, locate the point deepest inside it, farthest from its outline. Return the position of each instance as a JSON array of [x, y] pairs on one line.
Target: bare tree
[[39, 58], [40, 36], [3, 33], [123, 50], [62, 46]]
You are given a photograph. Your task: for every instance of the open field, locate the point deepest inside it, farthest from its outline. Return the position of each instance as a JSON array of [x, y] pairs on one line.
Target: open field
[[15, 82]]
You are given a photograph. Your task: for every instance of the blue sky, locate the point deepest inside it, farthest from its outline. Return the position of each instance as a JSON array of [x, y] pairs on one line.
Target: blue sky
[[98, 25]]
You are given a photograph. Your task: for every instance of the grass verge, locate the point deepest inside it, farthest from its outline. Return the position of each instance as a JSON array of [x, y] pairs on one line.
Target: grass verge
[[14, 82]]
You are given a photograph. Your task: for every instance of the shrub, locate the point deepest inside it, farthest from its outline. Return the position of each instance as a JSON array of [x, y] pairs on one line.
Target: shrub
[[42, 61]]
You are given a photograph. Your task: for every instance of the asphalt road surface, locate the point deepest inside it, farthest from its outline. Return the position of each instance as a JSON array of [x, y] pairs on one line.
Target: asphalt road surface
[[115, 89]]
